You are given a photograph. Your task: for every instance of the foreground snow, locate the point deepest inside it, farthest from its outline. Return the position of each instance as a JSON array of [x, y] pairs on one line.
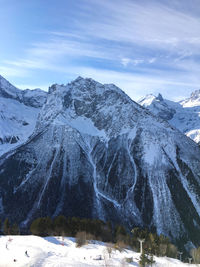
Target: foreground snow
[[62, 252]]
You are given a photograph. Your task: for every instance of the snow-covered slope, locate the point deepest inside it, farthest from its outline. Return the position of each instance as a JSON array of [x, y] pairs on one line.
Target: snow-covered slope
[[96, 153], [18, 113], [158, 106], [184, 115], [62, 252], [8, 90], [17, 123]]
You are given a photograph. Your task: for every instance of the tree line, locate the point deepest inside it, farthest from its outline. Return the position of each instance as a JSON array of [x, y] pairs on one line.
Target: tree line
[[155, 244], [8, 228]]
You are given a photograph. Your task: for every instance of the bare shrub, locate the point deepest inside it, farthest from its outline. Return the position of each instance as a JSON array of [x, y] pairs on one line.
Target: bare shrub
[[109, 248], [171, 251], [163, 249], [195, 253], [90, 237], [120, 245], [81, 239], [129, 260]]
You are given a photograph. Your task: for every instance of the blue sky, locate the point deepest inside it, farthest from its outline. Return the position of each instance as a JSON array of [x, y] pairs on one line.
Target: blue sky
[[143, 46]]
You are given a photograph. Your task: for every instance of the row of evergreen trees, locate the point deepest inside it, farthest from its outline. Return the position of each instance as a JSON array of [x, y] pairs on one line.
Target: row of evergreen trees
[[71, 226], [8, 228], [158, 245]]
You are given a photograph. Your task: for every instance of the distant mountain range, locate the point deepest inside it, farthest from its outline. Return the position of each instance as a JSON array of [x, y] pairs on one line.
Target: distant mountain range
[[18, 114], [184, 115], [86, 149]]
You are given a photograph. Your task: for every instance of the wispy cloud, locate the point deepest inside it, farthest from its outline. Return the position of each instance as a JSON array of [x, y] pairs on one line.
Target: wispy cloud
[[10, 71], [149, 23], [146, 45], [137, 85], [125, 61]]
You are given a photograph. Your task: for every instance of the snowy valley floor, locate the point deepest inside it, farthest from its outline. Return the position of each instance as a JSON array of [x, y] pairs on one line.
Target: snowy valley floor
[[58, 252]]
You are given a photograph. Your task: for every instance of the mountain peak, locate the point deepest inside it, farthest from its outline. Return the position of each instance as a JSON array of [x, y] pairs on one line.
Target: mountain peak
[[87, 83], [150, 99], [147, 100], [7, 89], [193, 100], [92, 101], [79, 78], [195, 94], [158, 106], [34, 98], [159, 97]]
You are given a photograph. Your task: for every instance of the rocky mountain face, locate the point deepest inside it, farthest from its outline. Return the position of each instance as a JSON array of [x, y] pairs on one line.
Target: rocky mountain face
[[96, 153], [184, 115], [18, 113]]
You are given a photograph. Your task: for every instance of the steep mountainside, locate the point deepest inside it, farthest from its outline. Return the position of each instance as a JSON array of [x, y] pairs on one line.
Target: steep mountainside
[[97, 153], [184, 115], [18, 113]]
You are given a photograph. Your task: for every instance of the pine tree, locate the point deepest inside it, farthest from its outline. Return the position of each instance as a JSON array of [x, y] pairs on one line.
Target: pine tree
[[151, 260], [6, 227], [41, 226], [143, 260], [120, 233], [60, 225], [14, 229]]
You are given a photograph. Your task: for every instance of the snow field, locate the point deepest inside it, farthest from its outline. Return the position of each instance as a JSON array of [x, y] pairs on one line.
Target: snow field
[[62, 252]]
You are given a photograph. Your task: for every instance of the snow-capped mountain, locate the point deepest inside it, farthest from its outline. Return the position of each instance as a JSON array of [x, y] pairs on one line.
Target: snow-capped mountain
[[18, 113], [96, 153], [193, 100], [184, 115]]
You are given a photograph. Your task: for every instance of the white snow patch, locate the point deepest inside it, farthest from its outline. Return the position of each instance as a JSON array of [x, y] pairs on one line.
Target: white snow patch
[[82, 124], [151, 154], [16, 120], [147, 100], [194, 134]]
